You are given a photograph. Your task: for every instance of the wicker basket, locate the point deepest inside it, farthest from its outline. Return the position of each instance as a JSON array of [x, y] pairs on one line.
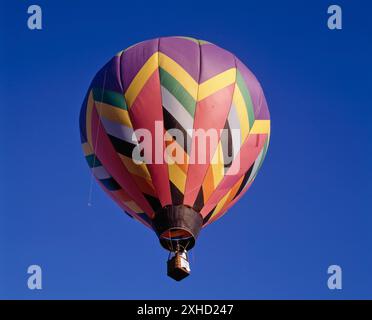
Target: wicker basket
[[178, 267]]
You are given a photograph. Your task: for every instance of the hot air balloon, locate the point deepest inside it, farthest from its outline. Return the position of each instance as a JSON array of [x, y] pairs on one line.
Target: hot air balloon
[[175, 88]]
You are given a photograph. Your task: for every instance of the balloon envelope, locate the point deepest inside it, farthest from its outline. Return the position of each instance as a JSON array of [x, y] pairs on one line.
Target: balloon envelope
[[161, 85]]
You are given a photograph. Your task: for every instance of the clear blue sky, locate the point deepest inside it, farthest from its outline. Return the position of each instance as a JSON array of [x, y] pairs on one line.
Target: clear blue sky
[[309, 207]]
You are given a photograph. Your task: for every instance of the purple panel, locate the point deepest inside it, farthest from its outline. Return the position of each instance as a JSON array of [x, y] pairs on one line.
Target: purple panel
[[185, 52], [263, 110], [112, 81], [259, 103], [214, 60], [134, 58]]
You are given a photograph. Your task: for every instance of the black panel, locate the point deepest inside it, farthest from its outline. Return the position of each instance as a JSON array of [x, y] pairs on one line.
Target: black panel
[[154, 202], [246, 177], [177, 195], [208, 216], [226, 141], [123, 147], [199, 202], [171, 123]]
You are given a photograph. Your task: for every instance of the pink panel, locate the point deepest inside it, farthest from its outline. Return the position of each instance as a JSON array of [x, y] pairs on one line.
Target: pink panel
[[110, 160], [243, 161], [211, 113], [146, 109]]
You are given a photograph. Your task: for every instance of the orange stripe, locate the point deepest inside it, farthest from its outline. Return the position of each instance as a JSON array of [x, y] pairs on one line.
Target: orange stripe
[[144, 185], [183, 166], [175, 233], [231, 195], [121, 195], [208, 185]]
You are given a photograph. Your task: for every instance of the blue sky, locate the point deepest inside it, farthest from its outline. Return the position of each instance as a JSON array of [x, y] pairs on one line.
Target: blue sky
[[309, 207]]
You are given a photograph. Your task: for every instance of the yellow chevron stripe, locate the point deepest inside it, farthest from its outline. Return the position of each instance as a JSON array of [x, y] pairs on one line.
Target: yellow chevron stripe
[[137, 169], [180, 74], [87, 149], [177, 176], [260, 126], [220, 205], [133, 206], [216, 83], [228, 197], [114, 114], [234, 190], [201, 42], [144, 185], [88, 118], [172, 145], [217, 165], [140, 79], [242, 113], [206, 88]]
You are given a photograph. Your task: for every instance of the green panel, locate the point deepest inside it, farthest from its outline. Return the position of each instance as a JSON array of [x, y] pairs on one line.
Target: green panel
[[110, 97], [110, 184], [93, 161], [178, 91], [246, 96]]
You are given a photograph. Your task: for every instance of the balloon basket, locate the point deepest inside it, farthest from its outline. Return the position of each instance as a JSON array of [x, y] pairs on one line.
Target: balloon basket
[[178, 266]]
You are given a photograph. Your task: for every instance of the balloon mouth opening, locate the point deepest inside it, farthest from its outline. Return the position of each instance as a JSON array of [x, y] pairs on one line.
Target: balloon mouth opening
[[177, 227], [177, 238]]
